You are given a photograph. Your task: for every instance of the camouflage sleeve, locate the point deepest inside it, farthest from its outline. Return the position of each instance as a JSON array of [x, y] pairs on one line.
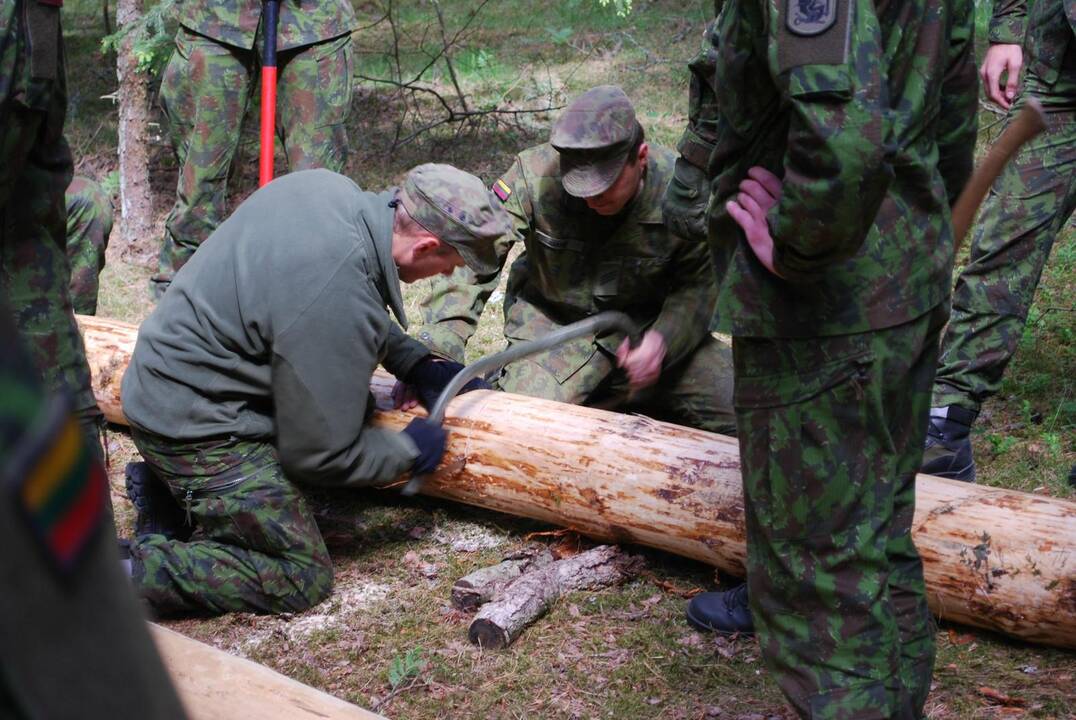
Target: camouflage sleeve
[[451, 311], [829, 71], [685, 316], [1009, 22], [958, 121]]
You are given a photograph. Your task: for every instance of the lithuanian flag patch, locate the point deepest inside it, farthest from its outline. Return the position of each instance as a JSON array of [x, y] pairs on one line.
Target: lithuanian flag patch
[[501, 190], [59, 486]]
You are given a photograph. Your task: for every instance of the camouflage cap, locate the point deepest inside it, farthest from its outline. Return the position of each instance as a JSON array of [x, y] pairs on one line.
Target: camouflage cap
[[459, 209], [593, 136]]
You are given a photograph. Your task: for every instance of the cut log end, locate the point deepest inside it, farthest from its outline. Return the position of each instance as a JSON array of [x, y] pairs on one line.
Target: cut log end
[[486, 634]]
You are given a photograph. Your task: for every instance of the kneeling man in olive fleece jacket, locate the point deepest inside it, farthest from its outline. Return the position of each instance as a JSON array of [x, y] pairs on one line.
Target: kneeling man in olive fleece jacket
[[253, 374]]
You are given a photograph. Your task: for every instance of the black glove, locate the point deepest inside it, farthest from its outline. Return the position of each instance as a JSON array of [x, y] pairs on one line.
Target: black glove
[[430, 376], [430, 439], [685, 201]]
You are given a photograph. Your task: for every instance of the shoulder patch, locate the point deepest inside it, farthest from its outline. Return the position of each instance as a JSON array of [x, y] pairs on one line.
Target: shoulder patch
[[810, 17], [59, 488], [813, 32], [502, 190]]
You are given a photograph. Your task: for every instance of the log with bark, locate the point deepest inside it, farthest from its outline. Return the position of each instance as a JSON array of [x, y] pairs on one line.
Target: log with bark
[[998, 559], [214, 685], [480, 586], [499, 622]]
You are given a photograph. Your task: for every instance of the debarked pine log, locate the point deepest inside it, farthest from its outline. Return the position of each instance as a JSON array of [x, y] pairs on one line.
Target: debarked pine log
[[499, 622], [214, 685], [998, 559]]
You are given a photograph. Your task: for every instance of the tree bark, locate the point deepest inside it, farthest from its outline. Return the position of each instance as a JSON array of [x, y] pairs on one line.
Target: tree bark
[[136, 199], [481, 586], [998, 559], [214, 685], [499, 622]]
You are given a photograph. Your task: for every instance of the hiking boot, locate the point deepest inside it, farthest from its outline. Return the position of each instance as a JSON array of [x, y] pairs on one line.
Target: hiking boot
[[723, 612], [947, 451], [156, 511]]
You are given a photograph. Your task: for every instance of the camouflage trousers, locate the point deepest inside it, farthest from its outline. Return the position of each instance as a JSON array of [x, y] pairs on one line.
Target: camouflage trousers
[[89, 223], [831, 434], [255, 546], [205, 93], [35, 167], [1025, 211], [697, 392]]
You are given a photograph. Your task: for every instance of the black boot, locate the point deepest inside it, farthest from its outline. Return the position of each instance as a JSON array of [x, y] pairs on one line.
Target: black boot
[[723, 612], [947, 452], [156, 511]]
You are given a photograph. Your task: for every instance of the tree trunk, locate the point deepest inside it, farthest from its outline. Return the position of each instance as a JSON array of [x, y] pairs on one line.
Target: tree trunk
[[214, 685], [136, 199], [997, 559], [499, 622]]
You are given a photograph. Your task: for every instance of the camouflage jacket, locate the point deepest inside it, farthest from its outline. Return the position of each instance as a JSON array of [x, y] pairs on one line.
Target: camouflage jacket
[[577, 263], [235, 22], [870, 118], [1048, 34], [273, 330], [31, 60]]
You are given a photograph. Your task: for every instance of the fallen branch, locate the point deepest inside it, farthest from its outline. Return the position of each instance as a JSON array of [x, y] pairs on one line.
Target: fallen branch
[[530, 596], [481, 586]]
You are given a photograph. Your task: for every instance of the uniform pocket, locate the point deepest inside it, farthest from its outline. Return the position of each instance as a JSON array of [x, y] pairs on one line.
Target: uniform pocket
[[335, 70]]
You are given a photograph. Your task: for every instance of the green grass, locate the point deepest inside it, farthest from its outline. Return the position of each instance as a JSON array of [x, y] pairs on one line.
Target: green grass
[[623, 652]]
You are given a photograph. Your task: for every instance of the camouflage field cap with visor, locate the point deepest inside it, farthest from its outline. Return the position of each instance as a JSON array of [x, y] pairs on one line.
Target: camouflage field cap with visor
[[593, 136], [459, 209]]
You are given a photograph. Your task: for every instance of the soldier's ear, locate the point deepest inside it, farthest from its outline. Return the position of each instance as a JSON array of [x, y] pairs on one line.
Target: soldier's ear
[[426, 244], [644, 152]]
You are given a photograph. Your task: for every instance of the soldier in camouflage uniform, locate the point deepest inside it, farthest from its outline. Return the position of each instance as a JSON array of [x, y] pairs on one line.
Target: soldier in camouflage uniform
[[207, 87], [833, 160], [68, 618], [89, 223], [35, 167], [587, 207], [1026, 209], [253, 373]]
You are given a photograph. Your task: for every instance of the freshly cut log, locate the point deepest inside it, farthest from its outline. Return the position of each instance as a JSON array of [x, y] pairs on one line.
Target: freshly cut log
[[214, 685], [998, 559], [480, 586], [499, 622]]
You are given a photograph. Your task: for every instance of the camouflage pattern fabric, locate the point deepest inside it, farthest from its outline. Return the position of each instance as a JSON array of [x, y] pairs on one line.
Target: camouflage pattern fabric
[[237, 22], [833, 360], [255, 547], [35, 167], [1023, 214], [205, 92], [577, 263], [67, 613], [836, 584], [89, 223]]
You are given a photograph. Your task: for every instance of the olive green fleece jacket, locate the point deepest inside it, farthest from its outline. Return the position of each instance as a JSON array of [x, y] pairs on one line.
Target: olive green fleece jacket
[[273, 329]]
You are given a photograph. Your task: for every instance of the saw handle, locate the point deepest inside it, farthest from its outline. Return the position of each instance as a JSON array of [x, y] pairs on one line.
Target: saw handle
[[602, 322], [1028, 123]]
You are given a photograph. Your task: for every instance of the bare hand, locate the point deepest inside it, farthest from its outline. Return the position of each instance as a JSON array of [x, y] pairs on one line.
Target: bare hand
[[642, 364], [758, 194], [403, 396], [1002, 58]]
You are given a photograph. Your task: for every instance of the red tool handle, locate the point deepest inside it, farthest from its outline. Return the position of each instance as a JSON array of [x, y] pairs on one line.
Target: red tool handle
[[268, 126]]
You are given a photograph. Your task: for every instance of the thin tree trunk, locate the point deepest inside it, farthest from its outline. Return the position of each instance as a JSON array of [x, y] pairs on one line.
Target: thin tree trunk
[[993, 558], [136, 200]]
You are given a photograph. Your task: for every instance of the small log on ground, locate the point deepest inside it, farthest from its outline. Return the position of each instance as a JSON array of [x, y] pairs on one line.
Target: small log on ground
[[524, 600], [994, 558], [481, 586], [214, 685]]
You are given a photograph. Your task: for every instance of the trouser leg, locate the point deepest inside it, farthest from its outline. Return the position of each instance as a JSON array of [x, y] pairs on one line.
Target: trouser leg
[[1026, 209], [314, 102], [256, 546], [828, 431], [204, 93], [89, 223]]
